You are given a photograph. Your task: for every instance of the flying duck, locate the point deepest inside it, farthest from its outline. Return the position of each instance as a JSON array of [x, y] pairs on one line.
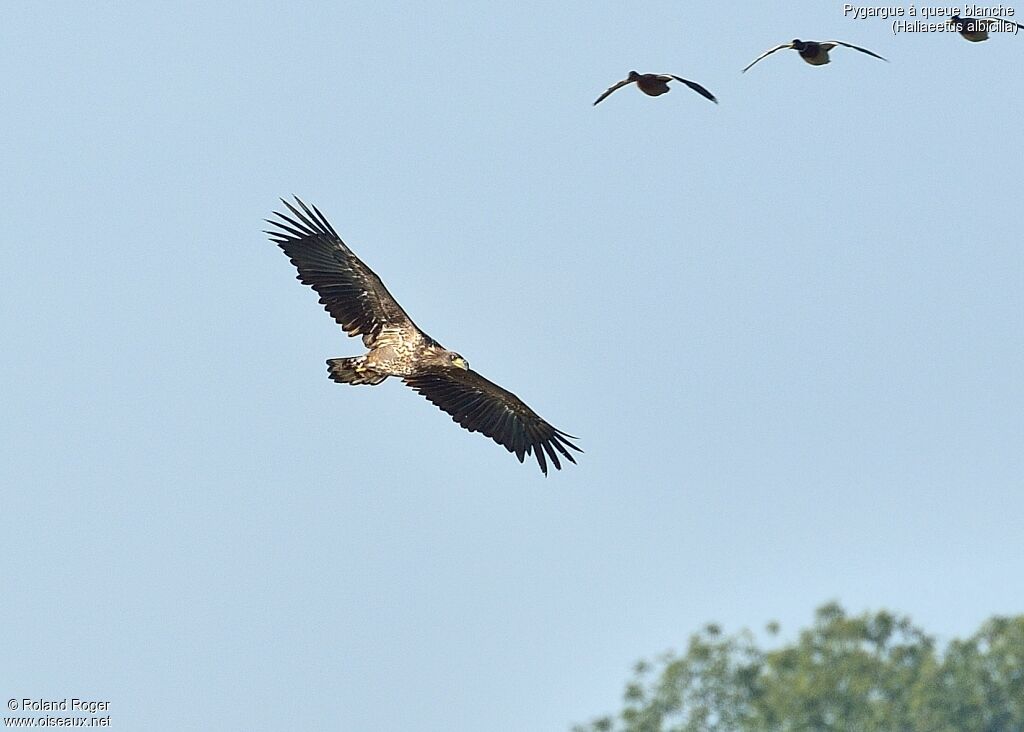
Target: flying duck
[[813, 52], [654, 85], [976, 30]]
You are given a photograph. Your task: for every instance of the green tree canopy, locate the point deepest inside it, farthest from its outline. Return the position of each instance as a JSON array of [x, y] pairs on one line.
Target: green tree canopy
[[865, 673]]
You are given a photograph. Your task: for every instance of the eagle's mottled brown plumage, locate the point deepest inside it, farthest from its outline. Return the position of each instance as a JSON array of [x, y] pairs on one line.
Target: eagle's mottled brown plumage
[[358, 301]]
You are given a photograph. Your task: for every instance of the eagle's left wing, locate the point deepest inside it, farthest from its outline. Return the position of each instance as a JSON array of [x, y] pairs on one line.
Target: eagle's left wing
[[482, 406]]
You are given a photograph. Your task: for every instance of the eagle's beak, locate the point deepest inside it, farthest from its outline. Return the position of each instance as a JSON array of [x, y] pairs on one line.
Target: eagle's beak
[[462, 363]]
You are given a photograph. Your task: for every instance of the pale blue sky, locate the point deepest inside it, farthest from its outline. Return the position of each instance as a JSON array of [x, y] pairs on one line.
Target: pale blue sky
[[788, 330]]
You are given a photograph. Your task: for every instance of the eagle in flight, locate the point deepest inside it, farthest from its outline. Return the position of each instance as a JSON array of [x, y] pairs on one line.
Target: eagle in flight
[[358, 301]]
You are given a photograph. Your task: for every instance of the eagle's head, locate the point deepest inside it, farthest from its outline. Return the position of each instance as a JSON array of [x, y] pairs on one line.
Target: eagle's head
[[458, 361]]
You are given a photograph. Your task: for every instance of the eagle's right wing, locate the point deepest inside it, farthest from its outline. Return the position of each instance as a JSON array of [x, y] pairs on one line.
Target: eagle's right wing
[[349, 290]]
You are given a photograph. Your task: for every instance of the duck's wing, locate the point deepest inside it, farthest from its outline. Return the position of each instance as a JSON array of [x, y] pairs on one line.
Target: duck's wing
[[988, 20], [832, 44], [767, 53], [696, 87], [609, 90]]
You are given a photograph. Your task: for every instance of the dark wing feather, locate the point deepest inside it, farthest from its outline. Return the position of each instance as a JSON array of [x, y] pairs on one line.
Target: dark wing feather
[[482, 406], [609, 90], [349, 290], [767, 53], [697, 88], [858, 48]]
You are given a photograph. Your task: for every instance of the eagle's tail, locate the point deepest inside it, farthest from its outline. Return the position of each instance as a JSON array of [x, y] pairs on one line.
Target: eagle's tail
[[353, 371]]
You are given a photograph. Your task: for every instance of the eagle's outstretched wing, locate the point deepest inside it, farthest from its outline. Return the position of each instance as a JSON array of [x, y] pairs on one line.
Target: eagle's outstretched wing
[[349, 290], [767, 53], [609, 90], [696, 87], [482, 406]]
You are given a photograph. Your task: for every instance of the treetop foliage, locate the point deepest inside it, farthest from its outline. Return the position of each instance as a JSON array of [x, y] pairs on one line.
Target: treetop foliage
[[864, 673]]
